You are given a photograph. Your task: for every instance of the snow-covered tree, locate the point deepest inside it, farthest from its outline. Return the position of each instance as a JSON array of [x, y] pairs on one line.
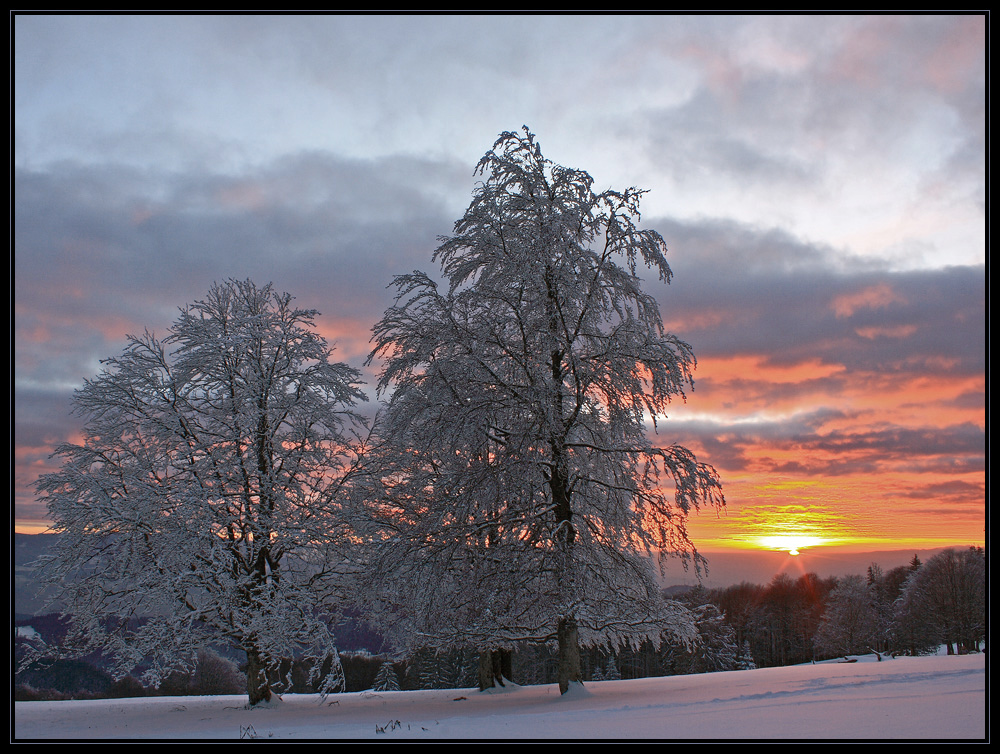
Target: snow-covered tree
[[715, 647], [886, 589], [946, 598], [215, 675], [915, 633], [744, 658], [453, 668], [850, 625], [386, 678], [521, 497], [206, 490], [611, 672]]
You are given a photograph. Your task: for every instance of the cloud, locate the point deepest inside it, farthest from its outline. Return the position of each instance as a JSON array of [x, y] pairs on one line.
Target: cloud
[[875, 297], [794, 302], [123, 239], [792, 337], [106, 250]]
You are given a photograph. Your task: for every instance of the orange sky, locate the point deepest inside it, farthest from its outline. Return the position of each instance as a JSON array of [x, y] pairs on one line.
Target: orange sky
[[837, 484]]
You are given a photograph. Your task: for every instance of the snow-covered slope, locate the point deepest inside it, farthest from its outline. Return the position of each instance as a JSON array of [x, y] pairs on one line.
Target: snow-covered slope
[[906, 698]]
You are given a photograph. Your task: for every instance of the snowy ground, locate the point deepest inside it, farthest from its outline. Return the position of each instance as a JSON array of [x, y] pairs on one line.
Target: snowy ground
[[907, 698]]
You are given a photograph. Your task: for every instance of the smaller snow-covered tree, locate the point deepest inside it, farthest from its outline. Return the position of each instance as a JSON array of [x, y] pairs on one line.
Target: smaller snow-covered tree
[[452, 668], [886, 589], [744, 658], [386, 679], [715, 646], [214, 674], [914, 634], [206, 491]]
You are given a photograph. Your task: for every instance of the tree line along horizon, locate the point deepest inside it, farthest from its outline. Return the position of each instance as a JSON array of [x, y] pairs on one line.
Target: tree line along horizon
[[507, 492], [743, 626]]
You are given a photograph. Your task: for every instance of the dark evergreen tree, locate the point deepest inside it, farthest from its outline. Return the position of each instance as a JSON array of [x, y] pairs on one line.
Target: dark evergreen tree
[[386, 679]]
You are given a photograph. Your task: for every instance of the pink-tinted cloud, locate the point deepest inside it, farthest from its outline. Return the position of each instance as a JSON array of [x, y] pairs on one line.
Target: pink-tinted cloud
[[873, 297]]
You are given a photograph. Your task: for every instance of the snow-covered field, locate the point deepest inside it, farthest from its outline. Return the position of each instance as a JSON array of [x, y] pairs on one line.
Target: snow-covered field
[[937, 697]]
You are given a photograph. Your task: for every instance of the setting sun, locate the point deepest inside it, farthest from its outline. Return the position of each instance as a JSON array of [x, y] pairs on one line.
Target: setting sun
[[791, 543]]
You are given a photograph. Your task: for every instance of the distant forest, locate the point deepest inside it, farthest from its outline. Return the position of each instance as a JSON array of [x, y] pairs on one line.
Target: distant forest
[[909, 610]]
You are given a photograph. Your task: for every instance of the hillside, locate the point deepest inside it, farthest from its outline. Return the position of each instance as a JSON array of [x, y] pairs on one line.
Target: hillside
[[939, 697]]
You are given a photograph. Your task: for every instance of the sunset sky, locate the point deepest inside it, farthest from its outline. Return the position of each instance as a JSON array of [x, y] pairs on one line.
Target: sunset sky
[[820, 183]]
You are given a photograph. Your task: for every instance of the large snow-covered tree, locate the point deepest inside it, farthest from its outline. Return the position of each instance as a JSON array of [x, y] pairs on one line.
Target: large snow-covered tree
[[521, 497], [206, 491]]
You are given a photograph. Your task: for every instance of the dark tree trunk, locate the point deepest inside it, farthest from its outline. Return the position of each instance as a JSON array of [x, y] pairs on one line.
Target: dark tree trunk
[[258, 686], [503, 663], [569, 654], [486, 677], [566, 632], [561, 489], [494, 666]]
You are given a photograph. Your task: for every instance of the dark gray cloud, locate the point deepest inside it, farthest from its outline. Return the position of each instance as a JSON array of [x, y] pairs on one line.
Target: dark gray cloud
[[744, 290], [105, 250], [822, 452], [121, 243]]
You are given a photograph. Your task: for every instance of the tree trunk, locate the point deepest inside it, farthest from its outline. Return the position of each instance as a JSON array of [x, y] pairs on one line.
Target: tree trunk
[[559, 484], [486, 678], [569, 654], [503, 664], [494, 666], [258, 687], [566, 631]]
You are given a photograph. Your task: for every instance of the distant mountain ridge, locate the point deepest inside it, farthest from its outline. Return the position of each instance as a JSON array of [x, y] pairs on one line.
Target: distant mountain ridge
[[28, 599]]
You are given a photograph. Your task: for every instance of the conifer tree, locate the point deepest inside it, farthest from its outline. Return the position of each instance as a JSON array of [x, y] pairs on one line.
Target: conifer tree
[[386, 678]]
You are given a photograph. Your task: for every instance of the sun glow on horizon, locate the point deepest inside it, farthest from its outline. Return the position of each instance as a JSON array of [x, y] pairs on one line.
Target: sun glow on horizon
[[790, 543]]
